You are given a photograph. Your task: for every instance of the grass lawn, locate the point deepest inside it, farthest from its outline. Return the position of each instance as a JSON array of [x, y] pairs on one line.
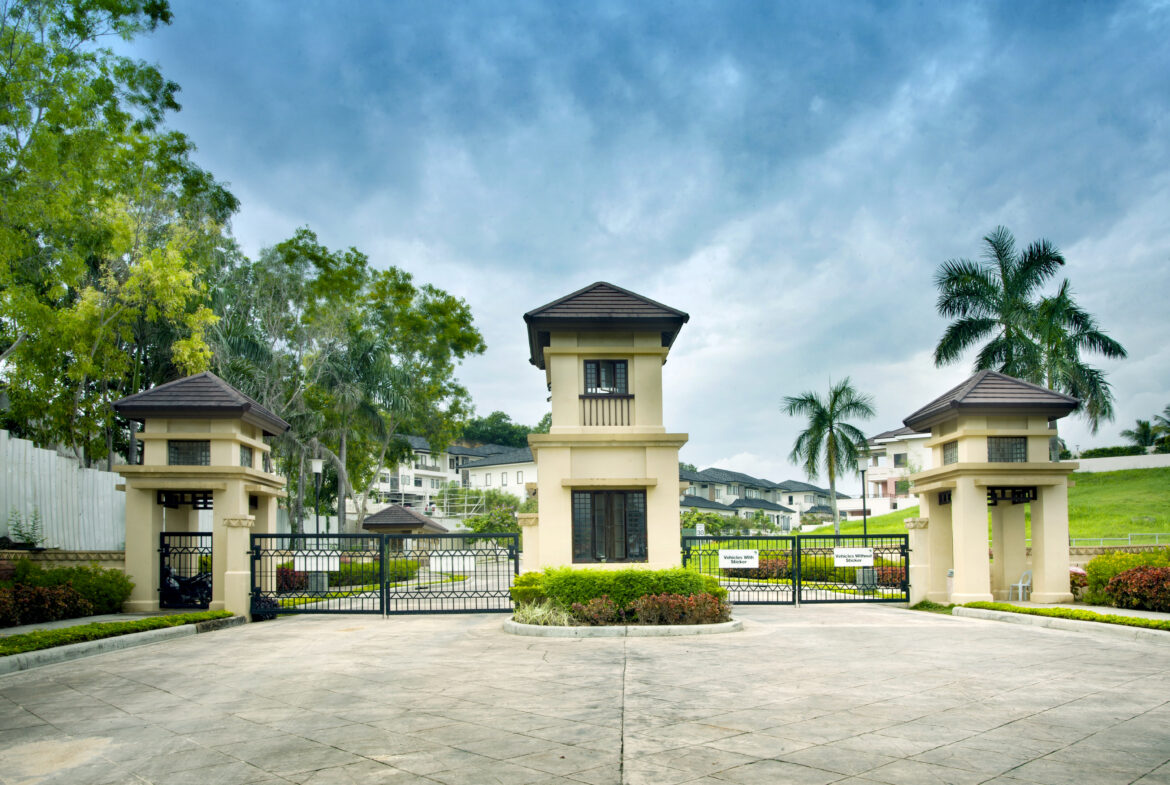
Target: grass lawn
[[1101, 504]]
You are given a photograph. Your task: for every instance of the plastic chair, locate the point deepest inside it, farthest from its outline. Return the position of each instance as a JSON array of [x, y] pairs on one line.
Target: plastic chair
[[1025, 585]]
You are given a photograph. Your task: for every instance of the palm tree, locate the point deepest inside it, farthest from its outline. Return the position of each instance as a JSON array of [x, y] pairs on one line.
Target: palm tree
[[1143, 434], [829, 439], [996, 303], [1162, 427]]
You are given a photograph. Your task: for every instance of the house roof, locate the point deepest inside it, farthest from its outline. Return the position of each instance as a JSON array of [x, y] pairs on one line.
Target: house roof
[[760, 504], [397, 516], [726, 476], [203, 395], [991, 390], [514, 455], [803, 487], [690, 476], [421, 444], [600, 306], [895, 434], [703, 504]]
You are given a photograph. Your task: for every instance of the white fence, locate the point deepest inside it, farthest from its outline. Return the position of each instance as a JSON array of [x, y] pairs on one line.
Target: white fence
[[79, 509], [1120, 462]]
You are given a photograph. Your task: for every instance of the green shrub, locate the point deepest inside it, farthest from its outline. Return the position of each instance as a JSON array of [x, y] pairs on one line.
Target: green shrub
[[544, 614], [46, 639], [711, 586], [1143, 588], [566, 585], [1076, 614], [528, 589], [1113, 452], [104, 590], [1103, 568]]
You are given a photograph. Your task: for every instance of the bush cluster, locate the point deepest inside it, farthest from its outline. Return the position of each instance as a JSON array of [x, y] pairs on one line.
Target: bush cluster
[[1113, 452], [1078, 580], [1103, 568], [350, 573], [776, 567], [1143, 588], [33, 594], [631, 596], [47, 639], [567, 586]]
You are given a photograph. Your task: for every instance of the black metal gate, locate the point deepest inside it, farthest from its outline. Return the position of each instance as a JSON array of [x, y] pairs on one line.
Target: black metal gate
[[808, 568], [383, 573], [184, 570]]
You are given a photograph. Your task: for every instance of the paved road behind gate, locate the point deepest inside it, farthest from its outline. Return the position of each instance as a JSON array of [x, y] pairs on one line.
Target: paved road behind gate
[[812, 695]]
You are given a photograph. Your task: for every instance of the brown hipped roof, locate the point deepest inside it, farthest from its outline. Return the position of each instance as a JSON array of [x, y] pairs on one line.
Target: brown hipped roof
[[203, 395], [600, 306], [991, 390], [398, 517]]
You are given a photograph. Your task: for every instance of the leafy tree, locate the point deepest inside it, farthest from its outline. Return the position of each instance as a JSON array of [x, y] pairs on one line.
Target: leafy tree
[[687, 467], [829, 440], [1142, 434], [498, 520], [497, 428], [543, 426], [997, 303], [713, 522], [107, 229], [1162, 428]]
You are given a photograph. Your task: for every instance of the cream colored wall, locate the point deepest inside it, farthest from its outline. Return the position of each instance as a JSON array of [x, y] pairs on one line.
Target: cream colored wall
[[639, 456], [971, 432]]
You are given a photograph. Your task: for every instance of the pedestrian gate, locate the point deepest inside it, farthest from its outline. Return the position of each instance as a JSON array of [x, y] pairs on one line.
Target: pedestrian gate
[[184, 570], [811, 568], [383, 573]]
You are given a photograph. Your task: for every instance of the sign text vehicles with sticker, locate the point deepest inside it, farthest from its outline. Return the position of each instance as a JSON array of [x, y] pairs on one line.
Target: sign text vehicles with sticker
[[741, 559]]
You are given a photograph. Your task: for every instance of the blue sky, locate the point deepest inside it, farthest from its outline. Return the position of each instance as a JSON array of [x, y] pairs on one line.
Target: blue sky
[[790, 174]]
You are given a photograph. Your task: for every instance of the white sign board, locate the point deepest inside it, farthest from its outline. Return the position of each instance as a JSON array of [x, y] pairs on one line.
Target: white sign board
[[700, 530], [453, 563], [853, 557], [313, 562], [742, 559]]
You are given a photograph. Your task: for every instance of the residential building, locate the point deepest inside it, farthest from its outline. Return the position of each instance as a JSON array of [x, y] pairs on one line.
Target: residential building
[[893, 456], [511, 471]]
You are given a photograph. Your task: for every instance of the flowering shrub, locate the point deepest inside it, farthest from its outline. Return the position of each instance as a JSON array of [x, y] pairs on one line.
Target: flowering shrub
[[680, 609], [1144, 588], [1103, 568], [289, 580], [1078, 580], [770, 567], [891, 575], [599, 610]]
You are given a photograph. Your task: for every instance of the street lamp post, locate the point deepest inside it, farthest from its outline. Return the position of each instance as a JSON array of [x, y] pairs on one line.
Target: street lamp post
[[318, 466], [864, 513]]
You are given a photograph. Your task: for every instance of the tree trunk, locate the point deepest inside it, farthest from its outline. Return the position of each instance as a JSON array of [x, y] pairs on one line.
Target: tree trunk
[[833, 501], [341, 487]]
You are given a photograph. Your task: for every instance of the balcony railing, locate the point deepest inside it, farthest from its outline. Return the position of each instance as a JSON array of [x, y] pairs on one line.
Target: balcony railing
[[607, 410]]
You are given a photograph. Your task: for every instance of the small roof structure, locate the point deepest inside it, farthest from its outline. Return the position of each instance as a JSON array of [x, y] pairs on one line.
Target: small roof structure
[[397, 519], [699, 502], [759, 504], [992, 391], [202, 396], [600, 306], [515, 455]]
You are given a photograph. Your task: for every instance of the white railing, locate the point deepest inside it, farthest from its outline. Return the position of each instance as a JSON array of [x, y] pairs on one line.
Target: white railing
[[1143, 538], [78, 509]]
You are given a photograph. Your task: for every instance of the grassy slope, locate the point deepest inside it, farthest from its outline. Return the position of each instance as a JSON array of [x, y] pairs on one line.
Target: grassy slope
[[1102, 504]]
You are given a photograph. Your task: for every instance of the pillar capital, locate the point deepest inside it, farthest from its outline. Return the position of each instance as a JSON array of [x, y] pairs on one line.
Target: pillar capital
[[917, 523], [239, 521]]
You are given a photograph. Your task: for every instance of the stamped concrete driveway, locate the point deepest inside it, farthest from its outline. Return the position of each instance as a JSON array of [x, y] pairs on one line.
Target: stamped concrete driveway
[[813, 695]]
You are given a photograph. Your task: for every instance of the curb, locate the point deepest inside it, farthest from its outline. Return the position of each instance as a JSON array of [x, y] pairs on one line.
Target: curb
[[627, 631], [1068, 625], [15, 663]]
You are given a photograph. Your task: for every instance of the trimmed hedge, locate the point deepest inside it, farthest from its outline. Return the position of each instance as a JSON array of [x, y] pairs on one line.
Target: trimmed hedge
[[1075, 614], [1103, 568], [1113, 452], [1142, 588], [351, 573], [566, 585], [47, 639]]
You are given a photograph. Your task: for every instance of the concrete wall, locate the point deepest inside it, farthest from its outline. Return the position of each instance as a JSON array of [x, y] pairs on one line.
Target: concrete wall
[[110, 560], [1123, 462]]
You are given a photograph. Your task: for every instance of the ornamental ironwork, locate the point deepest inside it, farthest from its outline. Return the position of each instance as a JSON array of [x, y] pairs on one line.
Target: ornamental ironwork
[[1015, 495]]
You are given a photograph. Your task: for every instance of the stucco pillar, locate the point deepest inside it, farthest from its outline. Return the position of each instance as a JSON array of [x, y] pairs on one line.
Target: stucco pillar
[[231, 502], [237, 577], [969, 529], [529, 541], [942, 555], [663, 543], [919, 570], [144, 524], [1050, 545], [998, 586], [1014, 545], [555, 538]]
